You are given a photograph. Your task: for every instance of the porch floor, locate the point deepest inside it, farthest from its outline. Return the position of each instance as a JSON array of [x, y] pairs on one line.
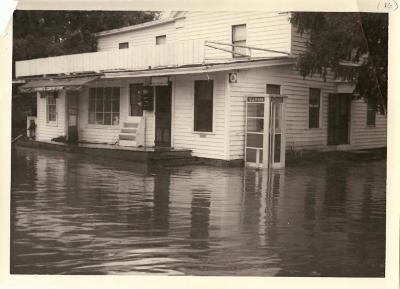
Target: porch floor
[[149, 155]]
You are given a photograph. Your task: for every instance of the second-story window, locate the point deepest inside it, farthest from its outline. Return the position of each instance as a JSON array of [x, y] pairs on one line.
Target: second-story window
[[161, 39], [123, 45], [239, 38]]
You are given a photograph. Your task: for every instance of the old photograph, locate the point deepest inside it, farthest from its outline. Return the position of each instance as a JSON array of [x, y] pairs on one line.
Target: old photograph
[[199, 143]]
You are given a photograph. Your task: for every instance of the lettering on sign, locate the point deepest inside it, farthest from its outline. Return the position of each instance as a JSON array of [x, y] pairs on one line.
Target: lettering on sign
[[255, 99]]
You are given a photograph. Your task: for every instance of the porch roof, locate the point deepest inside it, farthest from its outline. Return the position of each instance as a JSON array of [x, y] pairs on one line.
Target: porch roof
[[57, 83], [202, 68]]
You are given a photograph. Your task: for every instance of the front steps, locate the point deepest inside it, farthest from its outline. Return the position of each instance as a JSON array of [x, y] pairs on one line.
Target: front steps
[[131, 134]]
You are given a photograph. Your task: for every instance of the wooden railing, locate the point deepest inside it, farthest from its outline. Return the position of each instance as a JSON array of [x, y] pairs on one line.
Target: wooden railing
[[136, 58]]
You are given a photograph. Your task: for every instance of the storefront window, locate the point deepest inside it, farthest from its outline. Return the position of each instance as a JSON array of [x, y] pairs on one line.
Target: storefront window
[[104, 105]]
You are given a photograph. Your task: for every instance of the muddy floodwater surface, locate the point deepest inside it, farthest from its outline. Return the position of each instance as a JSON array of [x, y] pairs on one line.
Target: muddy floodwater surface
[[72, 214]]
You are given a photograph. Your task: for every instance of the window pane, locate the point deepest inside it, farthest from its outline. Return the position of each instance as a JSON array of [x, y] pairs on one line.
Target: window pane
[[107, 103], [123, 45], [92, 103], [273, 89], [99, 118], [115, 105], [255, 140], [162, 39], [107, 118], [278, 115], [203, 105], [255, 125], [99, 103], [239, 32], [255, 109], [91, 117], [277, 148], [251, 155], [115, 118]]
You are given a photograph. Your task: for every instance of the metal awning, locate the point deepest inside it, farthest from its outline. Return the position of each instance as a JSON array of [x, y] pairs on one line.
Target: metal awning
[[72, 83]]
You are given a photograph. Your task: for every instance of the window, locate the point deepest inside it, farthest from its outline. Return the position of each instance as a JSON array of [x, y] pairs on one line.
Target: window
[[123, 45], [51, 105], [203, 105], [371, 112], [239, 38], [314, 105], [273, 89], [104, 105], [162, 39]]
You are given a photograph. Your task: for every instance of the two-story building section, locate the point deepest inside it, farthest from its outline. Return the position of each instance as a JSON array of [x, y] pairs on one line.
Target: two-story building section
[[204, 81]]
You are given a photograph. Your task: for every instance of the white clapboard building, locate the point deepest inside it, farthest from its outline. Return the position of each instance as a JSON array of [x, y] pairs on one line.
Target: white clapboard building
[[207, 81]]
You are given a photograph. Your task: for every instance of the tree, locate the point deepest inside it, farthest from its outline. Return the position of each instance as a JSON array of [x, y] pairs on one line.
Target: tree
[[354, 46], [50, 33]]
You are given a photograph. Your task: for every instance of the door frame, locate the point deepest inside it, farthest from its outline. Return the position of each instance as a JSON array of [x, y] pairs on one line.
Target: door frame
[[349, 110], [172, 86], [67, 102]]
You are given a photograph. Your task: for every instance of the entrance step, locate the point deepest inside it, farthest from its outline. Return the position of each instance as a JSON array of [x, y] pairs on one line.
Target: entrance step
[[127, 136], [130, 125], [132, 132], [127, 143], [128, 130]]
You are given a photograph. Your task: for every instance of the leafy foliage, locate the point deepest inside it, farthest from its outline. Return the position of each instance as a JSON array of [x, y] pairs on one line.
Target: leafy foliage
[[51, 33], [335, 38]]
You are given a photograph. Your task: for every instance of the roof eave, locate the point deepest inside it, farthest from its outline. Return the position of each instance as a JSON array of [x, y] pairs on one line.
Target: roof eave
[[136, 27]]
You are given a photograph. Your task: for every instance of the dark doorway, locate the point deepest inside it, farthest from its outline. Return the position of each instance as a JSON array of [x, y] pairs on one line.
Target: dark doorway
[[163, 116], [339, 118], [72, 113]]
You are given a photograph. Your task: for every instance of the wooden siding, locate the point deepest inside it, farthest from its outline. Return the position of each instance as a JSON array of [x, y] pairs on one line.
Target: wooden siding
[[264, 30], [298, 135], [135, 58], [106, 133], [96, 133], [299, 41], [47, 131], [208, 145], [269, 30], [362, 136], [146, 36]]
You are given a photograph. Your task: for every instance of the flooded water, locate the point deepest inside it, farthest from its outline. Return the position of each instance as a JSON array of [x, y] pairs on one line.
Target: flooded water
[[76, 215]]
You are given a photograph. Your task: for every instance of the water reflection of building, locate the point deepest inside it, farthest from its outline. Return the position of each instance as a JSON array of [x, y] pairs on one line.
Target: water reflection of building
[[161, 202]]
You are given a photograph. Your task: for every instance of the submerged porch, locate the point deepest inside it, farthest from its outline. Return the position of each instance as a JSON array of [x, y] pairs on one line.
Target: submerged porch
[[150, 156]]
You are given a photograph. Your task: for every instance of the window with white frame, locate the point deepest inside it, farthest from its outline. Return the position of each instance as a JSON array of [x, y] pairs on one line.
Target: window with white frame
[[104, 105], [314, 105], [51, 105], [203, 105], [239, 38]]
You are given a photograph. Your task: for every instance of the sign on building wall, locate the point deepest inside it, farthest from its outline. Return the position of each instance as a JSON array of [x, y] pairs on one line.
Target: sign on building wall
[[159, 81]]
